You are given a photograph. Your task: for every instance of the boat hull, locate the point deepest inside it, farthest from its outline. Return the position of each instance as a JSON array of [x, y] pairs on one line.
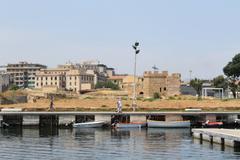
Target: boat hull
[[130, 125], [95, 124], [169, 124]]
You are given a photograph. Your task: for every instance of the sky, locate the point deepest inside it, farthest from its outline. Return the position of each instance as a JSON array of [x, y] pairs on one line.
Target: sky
[[174, 35]]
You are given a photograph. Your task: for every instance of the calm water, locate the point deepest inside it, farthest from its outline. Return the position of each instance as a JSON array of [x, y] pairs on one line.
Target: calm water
[[30, 144]]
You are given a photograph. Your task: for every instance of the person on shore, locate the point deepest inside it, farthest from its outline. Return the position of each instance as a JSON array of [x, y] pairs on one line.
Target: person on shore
[[119, 105], [51, 104]]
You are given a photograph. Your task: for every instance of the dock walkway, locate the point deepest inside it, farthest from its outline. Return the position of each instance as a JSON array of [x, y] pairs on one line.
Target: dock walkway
[[228, 137]]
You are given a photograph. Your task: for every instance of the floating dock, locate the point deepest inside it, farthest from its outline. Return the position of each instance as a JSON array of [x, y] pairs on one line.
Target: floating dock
[[225, 137]]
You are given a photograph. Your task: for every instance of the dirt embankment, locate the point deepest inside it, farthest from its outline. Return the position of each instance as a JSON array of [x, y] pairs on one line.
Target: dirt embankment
[[109, 104]]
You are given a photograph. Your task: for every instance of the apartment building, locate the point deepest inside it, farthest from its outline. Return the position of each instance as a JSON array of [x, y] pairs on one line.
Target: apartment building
[[4, 81], [22, 74]]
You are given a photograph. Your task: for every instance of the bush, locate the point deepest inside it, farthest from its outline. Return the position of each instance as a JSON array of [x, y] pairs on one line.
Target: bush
[[171, 98], [107, 84], [156, 95], [127, 105], [13, 87]]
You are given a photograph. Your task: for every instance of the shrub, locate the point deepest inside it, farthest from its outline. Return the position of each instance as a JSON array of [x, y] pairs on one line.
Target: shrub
[[156, 95], [127, 105], [149, 99], [107, 84], [13, 87]]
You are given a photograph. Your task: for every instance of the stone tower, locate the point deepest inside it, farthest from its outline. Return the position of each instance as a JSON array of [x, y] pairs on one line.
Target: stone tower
[[161, 83]]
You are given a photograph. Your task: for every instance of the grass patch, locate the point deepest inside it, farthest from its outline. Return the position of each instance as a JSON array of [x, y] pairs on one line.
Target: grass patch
[[149, 100], [89, 98]]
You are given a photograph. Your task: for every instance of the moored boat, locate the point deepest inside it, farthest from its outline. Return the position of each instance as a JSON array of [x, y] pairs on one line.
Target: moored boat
[[212, 124], [94, 124], [130, 125], [168, 124]]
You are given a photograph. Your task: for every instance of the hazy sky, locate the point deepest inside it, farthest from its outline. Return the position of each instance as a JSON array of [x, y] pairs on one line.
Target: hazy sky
[[174, 35]]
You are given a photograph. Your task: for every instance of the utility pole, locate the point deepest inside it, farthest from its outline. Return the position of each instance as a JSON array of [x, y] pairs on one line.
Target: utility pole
[[134, 97]]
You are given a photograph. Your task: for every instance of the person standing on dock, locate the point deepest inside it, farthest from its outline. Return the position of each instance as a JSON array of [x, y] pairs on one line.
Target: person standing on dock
[[119, 105], [51, 104]]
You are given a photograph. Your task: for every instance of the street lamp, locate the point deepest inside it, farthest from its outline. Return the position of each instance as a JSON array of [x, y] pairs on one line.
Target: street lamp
[[134, 99]]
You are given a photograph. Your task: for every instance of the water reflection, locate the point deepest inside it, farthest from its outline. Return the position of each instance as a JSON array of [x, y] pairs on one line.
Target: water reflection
[[53, 143], [48, 131]]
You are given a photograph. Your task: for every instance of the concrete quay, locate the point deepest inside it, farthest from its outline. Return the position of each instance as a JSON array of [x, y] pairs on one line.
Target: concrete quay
[[225, 137], [64, 118]]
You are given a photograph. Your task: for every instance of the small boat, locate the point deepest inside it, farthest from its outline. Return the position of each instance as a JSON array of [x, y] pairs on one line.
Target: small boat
[[212, 124], [168, 124], [237, 121], [94, 124], [130, 125]]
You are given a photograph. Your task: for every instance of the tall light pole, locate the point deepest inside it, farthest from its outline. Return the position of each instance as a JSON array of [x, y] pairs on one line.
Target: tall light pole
[[190, 76], [134, 98]]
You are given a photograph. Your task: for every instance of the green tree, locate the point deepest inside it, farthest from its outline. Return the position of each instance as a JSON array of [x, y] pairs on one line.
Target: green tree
[[197, 85], [107, 84], [220, 82], [232, 71], [13, 87]]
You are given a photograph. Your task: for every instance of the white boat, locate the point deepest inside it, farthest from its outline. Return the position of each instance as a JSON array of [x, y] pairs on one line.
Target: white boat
[[168, 124], [130, 125], [94, 124]]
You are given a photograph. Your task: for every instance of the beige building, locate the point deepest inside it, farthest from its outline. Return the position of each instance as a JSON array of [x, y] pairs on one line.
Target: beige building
[[125, 82], [51, 77], [151, 82], [65, 78], [77, 80]]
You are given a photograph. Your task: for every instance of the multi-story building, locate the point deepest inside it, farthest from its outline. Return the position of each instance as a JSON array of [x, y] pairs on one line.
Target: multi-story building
[[101, 71], [4, 81], [65, 78], [77, 80], [22, 74], [51, 77]]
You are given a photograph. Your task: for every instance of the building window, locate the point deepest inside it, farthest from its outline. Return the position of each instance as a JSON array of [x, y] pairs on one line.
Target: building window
[[70, 78], [55, 83], [70, 84], [75, 78], [55, 78], [51, 78], [37, 84], [160, 89], [165, 88], [46, 78]]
